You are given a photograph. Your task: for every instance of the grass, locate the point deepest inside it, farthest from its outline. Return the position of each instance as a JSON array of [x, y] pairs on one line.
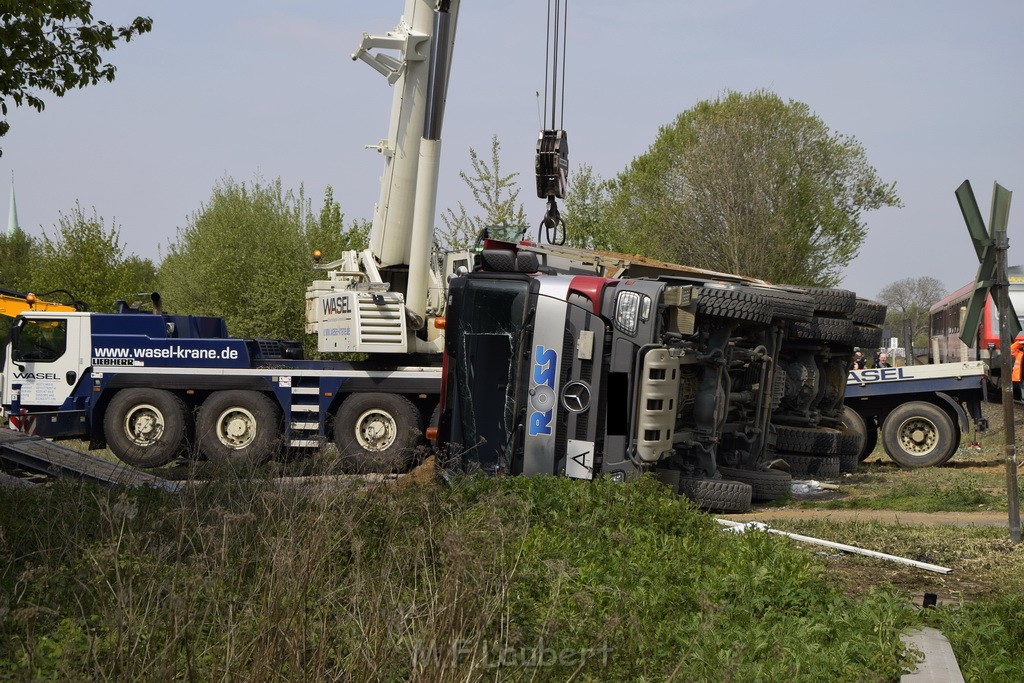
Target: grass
[[918, 493], [514, 578], [509, 578], [981, 604]]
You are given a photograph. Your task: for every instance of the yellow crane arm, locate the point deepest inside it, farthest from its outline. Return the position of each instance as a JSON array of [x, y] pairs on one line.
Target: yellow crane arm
[[13, 303]]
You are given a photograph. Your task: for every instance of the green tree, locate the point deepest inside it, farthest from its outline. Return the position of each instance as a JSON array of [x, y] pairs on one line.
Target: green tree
[[909, 300], [586, 202], [496, 194], [749, 184], [17, 253], [54, 46], [246, 256], [87, 259]]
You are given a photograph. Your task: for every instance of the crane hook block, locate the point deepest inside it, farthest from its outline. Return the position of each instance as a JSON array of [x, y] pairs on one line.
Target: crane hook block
[[552, 163]]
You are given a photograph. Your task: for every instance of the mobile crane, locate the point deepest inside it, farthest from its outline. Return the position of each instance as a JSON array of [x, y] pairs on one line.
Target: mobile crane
[[154, 387]]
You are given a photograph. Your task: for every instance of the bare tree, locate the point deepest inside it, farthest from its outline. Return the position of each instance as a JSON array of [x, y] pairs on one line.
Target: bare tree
[[909, 300]]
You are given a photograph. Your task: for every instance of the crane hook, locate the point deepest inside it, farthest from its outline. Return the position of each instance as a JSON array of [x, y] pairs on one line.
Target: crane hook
[[554, 226]]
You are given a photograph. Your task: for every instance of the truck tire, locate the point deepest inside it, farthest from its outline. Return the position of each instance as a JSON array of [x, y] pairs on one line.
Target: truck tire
[[830, 301], [788, 305], [811, 440], [866, 336], [765, 485], [868, 312], [824, 467], [870, 439], [734, 304], [717, 495], [146, 427], [828, 330], [854, 441], [855, 422], [919, 434], [377, 433], [239, 428]]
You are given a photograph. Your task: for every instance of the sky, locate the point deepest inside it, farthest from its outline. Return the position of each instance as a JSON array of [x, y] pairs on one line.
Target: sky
[[261, 90]]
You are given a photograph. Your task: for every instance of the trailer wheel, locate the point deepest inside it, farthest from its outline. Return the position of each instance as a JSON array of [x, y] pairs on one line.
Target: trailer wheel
[[146, 427], [870, 440], [919, 434], [765, 485], [717, 495], [856, 424], [239, 428], [377, 433]]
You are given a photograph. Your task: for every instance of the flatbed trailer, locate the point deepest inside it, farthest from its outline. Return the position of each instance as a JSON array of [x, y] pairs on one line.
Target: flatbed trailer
[[920, 411]]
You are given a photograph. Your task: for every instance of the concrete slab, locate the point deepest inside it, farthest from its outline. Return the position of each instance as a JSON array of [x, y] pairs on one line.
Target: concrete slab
[[938, 663]]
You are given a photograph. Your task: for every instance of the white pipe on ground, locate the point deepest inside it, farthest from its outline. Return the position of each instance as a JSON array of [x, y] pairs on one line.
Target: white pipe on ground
[[740, 527]]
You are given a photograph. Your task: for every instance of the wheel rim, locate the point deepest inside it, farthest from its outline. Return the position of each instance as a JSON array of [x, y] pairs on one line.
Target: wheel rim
[[236, 427], [144, 424], [918, 436], [376, 430]]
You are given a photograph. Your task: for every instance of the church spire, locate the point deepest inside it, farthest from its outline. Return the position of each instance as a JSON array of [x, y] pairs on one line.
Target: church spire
[[12, 215]]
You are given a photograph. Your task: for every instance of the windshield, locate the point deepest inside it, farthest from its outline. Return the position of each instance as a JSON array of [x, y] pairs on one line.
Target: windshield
[[483, 377]]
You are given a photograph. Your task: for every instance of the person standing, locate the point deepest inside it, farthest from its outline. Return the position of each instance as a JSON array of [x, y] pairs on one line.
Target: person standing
[[859, 361], [1017, 350], [883, 361]]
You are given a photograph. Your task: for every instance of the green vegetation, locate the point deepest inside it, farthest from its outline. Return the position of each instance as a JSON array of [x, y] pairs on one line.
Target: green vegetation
[[55, 46], [986, 636], [496, 195], [917, 492], [85, 258], [981, 603], [253, 580], [247, 256], [732, 175], [82, 256]]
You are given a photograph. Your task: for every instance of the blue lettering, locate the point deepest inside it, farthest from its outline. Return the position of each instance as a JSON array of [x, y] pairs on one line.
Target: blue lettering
[[879, 375], [545, 362], [540, 423], [544, 366]]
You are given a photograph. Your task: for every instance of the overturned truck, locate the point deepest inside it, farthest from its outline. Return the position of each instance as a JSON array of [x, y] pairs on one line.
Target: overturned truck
[[580, 364]]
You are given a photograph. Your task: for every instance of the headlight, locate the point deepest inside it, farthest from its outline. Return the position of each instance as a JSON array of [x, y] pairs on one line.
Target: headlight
[[627, 312]]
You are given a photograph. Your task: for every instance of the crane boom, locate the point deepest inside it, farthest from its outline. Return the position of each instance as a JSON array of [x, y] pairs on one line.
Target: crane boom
[[381, 299]]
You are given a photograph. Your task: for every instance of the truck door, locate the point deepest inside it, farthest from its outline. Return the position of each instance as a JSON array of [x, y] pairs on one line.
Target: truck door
[[46, 357]]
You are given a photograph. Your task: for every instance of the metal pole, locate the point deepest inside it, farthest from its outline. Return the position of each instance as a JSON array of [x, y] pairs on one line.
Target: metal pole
[[1002, 300], [908, 335]]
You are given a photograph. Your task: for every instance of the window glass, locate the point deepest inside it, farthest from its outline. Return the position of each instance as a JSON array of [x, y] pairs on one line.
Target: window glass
[[43, 340]]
